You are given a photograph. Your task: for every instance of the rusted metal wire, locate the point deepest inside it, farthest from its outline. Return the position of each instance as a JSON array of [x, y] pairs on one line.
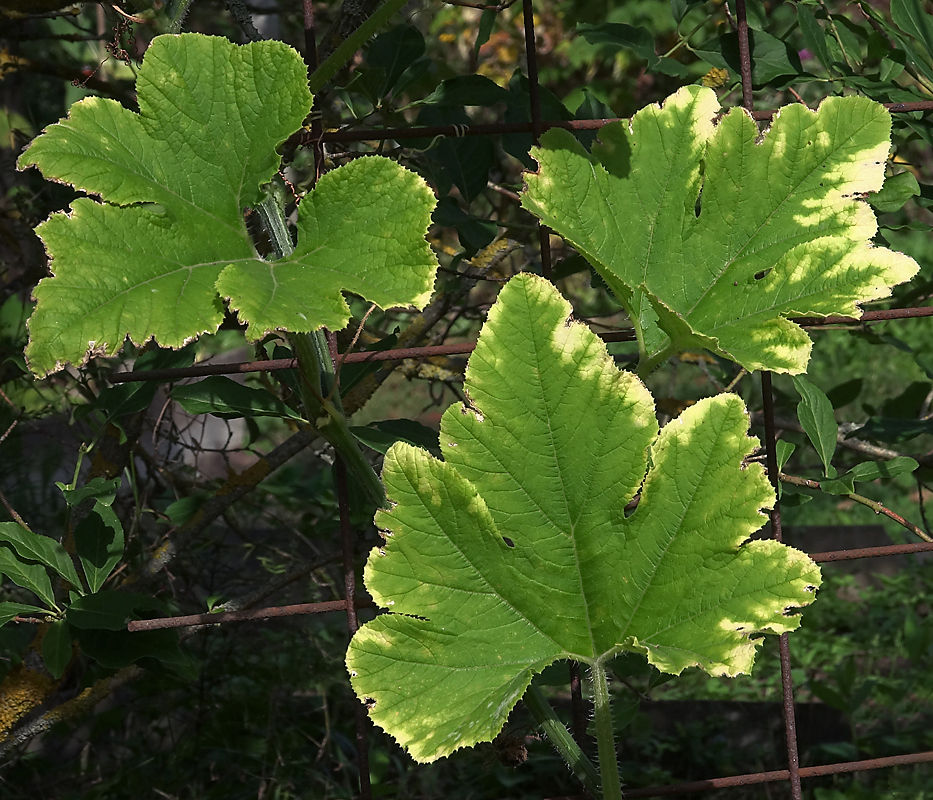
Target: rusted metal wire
[[190, 620], [500, 128], [753, 778], [202, 370]]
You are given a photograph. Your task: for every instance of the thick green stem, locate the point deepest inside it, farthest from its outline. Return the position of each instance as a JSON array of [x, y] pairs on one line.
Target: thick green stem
[[605, 741], [563, 742], [352, 44], [648, 364], [319, 396], [325, 414]]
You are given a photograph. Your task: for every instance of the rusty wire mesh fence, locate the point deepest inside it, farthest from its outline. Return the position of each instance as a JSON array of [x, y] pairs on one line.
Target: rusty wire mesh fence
[[794, 774]]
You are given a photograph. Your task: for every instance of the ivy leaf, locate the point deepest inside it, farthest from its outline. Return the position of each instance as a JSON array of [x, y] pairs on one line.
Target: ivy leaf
[[175, 180], [711, 237], [516, 551]]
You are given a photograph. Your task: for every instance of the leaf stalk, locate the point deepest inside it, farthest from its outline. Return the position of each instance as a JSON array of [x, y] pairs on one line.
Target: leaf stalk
[[605, 741], [317, 380], [563, 742]]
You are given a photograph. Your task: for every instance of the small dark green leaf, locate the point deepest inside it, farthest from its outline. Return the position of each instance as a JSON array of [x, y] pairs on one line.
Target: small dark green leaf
[[873, 470], [486, 23], [814, 37], [897, 190], [109, 610], [99, 545], [99, 488], [755, 14], [844, 484], [828, 695], [28, 575], [33, 547], [892, 65], [467, 90], [185, 508], [474, 233], [10, 610], [56, 648], [519, 110], [352, 374], [466, 161], [118, 649], [619, 35], [815, 413], [679, 8], [892, 430], [393, 53], [771, 57], [910, 17], [845, 393], [910, 403], [784, 450], [224, 397], [380, 436], [132, 397], [793, 496]]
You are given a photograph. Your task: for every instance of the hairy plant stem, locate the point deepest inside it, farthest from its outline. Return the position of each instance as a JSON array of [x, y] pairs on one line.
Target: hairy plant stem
[[648, 364], [563, 742], [319, 394], [605, 741], [348, 48]]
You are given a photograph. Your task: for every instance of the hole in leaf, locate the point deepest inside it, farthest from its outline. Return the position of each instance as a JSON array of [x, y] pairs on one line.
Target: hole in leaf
[[762, 273], [508, 541], [370, 703]]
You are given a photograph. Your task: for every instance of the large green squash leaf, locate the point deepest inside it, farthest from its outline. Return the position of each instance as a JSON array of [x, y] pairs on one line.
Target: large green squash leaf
[[516, 551], [712, 236], [175, 179]]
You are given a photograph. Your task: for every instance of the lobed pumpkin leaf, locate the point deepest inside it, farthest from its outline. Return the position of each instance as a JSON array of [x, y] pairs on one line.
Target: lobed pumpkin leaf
[[711, 235], [167, 241], [517, 551]]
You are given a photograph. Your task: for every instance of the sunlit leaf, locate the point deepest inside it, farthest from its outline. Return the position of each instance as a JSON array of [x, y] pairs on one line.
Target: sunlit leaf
[[516, 551]]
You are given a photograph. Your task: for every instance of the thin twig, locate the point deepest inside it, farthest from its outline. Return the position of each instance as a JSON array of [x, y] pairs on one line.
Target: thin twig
[[874, 505]]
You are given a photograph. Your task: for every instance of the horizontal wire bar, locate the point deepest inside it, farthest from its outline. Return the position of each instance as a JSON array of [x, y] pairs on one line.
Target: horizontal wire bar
[[340, 605], [873, 552], [781, 775], [242, 616], [270, 365], [492, 129]]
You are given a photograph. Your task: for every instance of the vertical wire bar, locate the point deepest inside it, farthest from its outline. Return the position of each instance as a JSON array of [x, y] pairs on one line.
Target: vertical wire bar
[[787, 685], [578, 712], [745, 57], [347, 534], [534, 96]]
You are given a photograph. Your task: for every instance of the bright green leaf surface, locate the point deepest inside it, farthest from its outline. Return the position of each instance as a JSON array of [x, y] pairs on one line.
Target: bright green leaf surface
[[516, 551], [175, 180], [711, 238]]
